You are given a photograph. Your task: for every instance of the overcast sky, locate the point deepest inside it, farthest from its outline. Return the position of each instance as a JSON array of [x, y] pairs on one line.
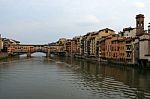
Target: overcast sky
[[44, 21]]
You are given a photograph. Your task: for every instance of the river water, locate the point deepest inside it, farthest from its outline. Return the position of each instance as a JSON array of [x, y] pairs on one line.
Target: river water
[[66, 78]]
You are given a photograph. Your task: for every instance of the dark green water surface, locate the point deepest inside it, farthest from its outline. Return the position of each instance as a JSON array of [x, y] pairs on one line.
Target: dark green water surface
[[65, 78]]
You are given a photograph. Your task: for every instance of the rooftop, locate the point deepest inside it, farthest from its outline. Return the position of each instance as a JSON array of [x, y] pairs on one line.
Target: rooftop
[[139, 16], [106, 29], [128, 29]]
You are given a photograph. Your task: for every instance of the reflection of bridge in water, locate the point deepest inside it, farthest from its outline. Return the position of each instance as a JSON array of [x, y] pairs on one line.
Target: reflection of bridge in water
[[29, 49]]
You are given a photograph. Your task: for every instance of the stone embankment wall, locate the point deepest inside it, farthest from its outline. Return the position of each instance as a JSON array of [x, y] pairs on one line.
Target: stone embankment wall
[[3, 55]]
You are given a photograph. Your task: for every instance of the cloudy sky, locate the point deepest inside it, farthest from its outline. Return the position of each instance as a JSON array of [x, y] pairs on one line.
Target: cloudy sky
[[44, 21]]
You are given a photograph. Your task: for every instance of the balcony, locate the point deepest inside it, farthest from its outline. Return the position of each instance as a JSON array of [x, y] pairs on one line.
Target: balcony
[[129, 57], [128, 44], [128, 50]]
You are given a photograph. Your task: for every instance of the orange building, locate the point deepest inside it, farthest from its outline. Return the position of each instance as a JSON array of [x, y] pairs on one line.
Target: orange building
[[122, 52], [112, 47], [108, 47], [118, 48]]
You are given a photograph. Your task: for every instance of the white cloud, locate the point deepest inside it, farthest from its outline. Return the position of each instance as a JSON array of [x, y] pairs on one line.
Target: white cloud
[[88, 20], [123, 0], [140, 4], [92, 19]]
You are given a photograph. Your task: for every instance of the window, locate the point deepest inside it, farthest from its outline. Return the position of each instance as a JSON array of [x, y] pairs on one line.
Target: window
[[138, 23], [106, 31], [142, 23]]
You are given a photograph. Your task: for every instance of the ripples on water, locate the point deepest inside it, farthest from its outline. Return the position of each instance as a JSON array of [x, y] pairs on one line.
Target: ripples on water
[[109, 82], [66, 78]]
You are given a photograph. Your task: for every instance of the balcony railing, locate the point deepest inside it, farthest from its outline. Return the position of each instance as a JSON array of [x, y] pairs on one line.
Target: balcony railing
[[128, 44], [129, 57], [128, 50]]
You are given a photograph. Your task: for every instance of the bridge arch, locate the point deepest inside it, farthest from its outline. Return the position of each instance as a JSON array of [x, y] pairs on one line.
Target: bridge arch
[[28, 49]]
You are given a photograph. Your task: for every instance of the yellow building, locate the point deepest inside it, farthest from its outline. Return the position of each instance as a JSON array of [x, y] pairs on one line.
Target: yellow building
[[95, 37], [61, 41]]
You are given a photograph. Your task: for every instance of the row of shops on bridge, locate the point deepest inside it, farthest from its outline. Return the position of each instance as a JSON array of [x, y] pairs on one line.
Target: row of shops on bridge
[[5, 43], [14, 47]]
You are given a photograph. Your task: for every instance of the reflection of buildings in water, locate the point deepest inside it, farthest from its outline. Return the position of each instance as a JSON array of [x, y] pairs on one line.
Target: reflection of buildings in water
[[118, 80]]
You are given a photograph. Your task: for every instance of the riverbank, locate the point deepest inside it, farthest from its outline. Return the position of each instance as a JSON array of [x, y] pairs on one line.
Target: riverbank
[[112, 62], [3, 55]]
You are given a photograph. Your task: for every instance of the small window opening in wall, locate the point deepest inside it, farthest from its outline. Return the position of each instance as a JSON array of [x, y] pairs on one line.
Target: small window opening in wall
[[106, 31]]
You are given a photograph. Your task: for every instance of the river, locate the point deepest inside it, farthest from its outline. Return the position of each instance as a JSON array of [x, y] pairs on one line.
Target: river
[[67, 78]]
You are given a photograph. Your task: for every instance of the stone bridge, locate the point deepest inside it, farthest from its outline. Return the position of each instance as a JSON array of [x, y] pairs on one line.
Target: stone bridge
[[29, 49]]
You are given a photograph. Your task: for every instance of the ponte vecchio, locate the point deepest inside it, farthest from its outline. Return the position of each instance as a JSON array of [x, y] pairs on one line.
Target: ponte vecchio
[[30, 49]]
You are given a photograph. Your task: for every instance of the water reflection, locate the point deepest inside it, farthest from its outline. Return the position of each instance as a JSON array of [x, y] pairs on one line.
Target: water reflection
[[37, 54], [39, 77], [110, 81]]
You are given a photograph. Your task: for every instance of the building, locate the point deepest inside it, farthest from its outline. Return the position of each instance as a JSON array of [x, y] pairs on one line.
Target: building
[[8, 42], [121, 49], [101, 45], [92, 43], [116, 48], [105, 47], [81, 46], [61, 41], [108, 47], [144, 47], [101, 34], [86, 44], [112, 48], [131, 46], [74, 46], [149, 28], [132, 36], [130, 43], [92, 39], [77, 45], [68, 47], [128, 32], [55, 47], [129, 49], [1, 43]]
